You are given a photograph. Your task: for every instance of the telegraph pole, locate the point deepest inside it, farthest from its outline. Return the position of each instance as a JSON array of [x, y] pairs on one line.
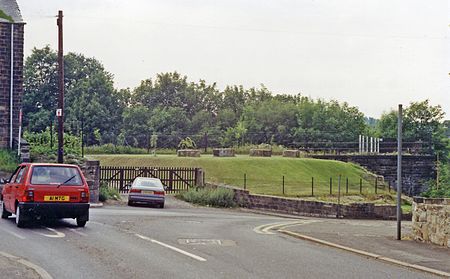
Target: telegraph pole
[[60, 110], [399, 172]]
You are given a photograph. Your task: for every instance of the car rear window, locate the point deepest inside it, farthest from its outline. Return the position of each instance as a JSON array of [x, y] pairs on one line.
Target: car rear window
[[149, 183], [56, 175]]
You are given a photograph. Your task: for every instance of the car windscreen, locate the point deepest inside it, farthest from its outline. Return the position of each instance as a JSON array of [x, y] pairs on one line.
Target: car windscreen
[[56, 175], [148, 183]]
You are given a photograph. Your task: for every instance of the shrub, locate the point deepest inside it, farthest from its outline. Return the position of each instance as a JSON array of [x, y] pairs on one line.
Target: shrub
[[219, 197], [107, 193], [8, 160]]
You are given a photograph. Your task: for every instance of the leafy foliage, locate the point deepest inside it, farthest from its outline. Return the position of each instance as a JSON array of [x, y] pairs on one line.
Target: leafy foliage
[[8, 160], [187, 143], [107, 193]]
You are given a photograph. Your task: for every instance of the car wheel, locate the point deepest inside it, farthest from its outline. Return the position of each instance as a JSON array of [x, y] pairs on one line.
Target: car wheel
[[161, 205], [130, 203], [19, 218], [81, 223], [5, 214]]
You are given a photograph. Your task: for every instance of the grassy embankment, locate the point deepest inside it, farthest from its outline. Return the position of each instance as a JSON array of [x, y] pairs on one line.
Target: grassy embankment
[[265, 175]]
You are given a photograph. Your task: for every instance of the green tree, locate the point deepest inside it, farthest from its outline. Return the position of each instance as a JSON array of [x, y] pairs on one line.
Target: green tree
[[90, 96]]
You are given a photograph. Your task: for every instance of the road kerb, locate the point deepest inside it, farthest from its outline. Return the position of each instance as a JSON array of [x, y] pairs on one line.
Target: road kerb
[[39, 270], [367, 254]]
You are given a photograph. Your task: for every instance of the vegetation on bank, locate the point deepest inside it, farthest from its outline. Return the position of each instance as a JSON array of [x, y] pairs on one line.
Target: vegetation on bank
[[220, 197], [8, 160]]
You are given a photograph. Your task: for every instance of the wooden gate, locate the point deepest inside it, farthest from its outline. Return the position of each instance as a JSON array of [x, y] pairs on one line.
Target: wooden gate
[[175, 179]]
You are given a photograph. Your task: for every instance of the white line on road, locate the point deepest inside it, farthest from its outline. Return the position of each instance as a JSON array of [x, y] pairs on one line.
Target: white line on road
[[77, 232], [171, 248], [39, 270], [56, 235], [266, 228], [14, 234]]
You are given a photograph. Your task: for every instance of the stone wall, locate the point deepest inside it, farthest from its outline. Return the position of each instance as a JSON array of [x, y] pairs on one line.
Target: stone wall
[[5, 78], [416, 169], [310, 208], [431, 221], [91, 170]]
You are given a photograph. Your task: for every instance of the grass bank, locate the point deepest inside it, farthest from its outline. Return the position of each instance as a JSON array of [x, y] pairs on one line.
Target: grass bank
[[263, 175]]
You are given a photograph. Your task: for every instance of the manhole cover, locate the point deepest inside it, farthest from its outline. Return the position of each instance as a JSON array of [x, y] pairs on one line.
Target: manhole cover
[[209, 242]]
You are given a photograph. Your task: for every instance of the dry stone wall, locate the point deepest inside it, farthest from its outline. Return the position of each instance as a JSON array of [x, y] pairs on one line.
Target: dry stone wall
[[431, 221]]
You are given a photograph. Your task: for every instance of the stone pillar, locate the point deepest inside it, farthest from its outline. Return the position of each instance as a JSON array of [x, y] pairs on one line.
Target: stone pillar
[[91, 171], [199, 175]]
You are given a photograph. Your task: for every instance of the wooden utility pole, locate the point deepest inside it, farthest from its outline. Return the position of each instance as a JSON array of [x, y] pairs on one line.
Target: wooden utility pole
[[399, 171], [60, 111]]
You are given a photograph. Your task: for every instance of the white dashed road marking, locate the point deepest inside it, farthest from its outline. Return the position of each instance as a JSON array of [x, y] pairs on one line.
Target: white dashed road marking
[[56, 235], [13, 234], [77, 232], [172, 248]]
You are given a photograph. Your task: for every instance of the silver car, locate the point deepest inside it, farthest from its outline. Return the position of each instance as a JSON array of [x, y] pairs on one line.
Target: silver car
[[147, 190]]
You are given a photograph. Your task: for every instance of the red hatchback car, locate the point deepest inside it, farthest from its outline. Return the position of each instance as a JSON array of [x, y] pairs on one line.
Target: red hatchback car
[[38, 191]]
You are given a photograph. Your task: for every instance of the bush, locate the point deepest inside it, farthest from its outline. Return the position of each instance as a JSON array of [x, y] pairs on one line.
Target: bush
[[443, 192], [41, 143], [107, 193], [219, 197], [8, 160]]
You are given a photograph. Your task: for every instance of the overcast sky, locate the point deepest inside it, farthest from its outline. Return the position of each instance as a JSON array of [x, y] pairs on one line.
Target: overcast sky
[[373, 54]]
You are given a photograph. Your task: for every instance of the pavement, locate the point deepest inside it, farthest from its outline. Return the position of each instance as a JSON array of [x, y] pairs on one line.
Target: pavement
[[375, 239]]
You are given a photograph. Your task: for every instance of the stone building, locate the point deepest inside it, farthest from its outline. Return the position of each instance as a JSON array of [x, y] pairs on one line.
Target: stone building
[[11, 70]]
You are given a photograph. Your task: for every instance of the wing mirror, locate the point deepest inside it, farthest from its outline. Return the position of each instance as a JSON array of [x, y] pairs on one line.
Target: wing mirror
[[166, 188], [4, 181]]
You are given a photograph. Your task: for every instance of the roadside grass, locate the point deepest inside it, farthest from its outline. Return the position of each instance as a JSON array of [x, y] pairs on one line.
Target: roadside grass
[[211, 197], [8, 160], [265, 175]]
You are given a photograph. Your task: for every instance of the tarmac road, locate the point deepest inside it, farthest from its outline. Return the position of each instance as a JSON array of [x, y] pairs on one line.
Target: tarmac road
[[181, 241]]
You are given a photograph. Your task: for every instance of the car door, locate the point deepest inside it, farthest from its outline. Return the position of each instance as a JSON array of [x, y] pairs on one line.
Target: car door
[[7, 190], [16, 187]]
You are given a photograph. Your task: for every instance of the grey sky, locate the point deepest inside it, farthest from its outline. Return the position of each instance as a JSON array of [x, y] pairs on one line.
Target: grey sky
[[373, 54]]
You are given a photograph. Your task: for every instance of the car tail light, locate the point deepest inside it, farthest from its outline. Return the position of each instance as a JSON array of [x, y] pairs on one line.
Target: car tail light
[[160, 193], [84, 196], [135, 191], [29, 196]]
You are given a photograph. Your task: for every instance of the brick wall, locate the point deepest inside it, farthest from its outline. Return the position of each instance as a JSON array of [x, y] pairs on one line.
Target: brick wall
[[416, 169], [5, 75], [431, 221], [309, 208]]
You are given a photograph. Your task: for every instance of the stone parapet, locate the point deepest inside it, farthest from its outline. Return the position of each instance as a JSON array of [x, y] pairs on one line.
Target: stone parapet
[[309, 208], [431, 220], [260, 152], [291, 153], [415, 169], [188, 153], [223, 152]]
